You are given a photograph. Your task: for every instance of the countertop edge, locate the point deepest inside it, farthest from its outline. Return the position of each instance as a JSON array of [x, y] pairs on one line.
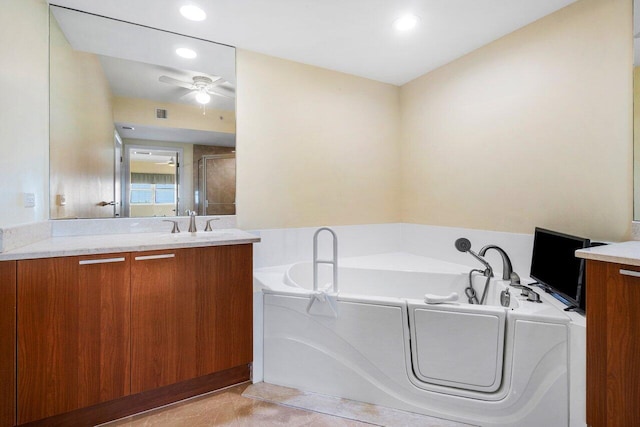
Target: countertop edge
[[627, 253], [56, 251]]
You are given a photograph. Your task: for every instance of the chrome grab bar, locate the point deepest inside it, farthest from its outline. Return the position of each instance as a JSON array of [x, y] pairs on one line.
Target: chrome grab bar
[[333, 261]]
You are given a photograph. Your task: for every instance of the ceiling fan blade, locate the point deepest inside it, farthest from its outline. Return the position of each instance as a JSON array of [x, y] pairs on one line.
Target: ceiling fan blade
[[189, 96], [222, 91], [175, 82]]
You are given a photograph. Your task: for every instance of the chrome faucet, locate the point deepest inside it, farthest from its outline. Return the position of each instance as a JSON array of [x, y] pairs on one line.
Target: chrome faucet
[[192, 221], [526, 291], [507, 268]]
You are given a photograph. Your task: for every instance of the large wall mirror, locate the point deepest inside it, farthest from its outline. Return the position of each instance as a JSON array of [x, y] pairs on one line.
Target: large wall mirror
[[142, 120]]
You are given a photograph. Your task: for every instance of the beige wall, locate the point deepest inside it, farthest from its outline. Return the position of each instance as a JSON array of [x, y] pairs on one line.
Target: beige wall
[[533, 129], [181, 116], [484, 140], [82, 140], [314, 146], [24, 110], [636, 145]]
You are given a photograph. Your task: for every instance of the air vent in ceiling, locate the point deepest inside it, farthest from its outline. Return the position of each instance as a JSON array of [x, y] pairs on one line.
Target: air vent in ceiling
[[161, 113]]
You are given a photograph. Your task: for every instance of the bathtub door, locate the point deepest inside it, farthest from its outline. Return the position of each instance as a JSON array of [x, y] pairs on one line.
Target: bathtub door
[[458, 346]]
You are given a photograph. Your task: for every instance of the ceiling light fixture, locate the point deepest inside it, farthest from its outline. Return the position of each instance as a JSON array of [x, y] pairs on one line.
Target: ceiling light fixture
[[186, 53], [193, 12], [406, 23], [203, 97]]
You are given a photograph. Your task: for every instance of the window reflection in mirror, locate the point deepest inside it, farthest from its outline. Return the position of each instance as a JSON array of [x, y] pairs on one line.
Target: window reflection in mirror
[[151, 181], [115, 86]]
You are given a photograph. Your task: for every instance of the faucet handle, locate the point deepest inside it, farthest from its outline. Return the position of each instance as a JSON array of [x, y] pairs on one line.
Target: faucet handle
[[175, 228], [208, 227]]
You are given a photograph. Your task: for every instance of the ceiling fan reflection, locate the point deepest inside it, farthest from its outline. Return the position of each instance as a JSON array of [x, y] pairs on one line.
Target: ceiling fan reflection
[[203, 87]]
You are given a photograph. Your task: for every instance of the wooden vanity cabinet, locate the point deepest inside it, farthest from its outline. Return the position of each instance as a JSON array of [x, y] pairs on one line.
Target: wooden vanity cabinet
[[73, 333], [7, 343], [191, 313], [102, 337], [613, 344]]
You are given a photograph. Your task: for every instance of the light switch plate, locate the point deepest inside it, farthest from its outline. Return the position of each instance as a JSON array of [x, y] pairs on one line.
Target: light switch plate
[[29, 200]]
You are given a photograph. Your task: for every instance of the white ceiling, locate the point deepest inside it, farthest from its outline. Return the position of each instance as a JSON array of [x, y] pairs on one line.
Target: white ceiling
[[352, 36]]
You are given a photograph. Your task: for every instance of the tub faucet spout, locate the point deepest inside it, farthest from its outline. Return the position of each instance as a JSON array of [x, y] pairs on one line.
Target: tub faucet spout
[[507, 268]]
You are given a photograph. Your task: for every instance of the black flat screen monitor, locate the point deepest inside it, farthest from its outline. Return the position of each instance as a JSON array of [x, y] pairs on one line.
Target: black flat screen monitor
[[555, 265]]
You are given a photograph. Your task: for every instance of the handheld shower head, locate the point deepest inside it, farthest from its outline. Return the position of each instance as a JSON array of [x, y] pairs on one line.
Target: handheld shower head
[[463, 245]]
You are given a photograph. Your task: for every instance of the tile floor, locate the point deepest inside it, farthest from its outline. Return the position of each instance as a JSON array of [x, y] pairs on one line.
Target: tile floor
[[229, 408], [268, 405]]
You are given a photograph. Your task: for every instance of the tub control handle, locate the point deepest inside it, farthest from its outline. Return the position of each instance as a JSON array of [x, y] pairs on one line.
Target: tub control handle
[[630, 273]]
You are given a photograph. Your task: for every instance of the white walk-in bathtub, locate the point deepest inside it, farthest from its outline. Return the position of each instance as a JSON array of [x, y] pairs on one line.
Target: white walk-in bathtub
[[377, 341]]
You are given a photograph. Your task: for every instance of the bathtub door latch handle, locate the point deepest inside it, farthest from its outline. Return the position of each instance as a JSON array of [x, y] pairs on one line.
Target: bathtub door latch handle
[[439, 299]]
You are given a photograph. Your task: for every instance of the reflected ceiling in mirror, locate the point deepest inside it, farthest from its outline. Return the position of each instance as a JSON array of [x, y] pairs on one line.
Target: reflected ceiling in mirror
[[114, 84]]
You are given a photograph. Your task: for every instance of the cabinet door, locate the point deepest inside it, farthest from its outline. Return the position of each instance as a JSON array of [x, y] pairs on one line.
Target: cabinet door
[[613, 344], [191, 313], [225, 307], [7, 343], [73, 333], [163, 310]]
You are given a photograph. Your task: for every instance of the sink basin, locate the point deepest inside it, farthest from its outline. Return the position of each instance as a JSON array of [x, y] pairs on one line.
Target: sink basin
[[202, 235]]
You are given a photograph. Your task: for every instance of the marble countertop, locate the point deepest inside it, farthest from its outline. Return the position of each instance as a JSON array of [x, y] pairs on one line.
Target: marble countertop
[[621, 253], [130, 242]]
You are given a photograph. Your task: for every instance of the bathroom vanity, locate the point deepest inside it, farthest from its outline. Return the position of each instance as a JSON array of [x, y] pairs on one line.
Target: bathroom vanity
[[613, 334], [108, 334]]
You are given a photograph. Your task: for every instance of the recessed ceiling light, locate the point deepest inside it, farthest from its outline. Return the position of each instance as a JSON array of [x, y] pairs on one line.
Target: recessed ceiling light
[[406, 23], [193, 13], [186, 53]]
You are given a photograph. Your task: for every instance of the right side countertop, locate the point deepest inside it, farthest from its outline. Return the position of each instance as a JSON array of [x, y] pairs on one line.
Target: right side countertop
[[621, 253]]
